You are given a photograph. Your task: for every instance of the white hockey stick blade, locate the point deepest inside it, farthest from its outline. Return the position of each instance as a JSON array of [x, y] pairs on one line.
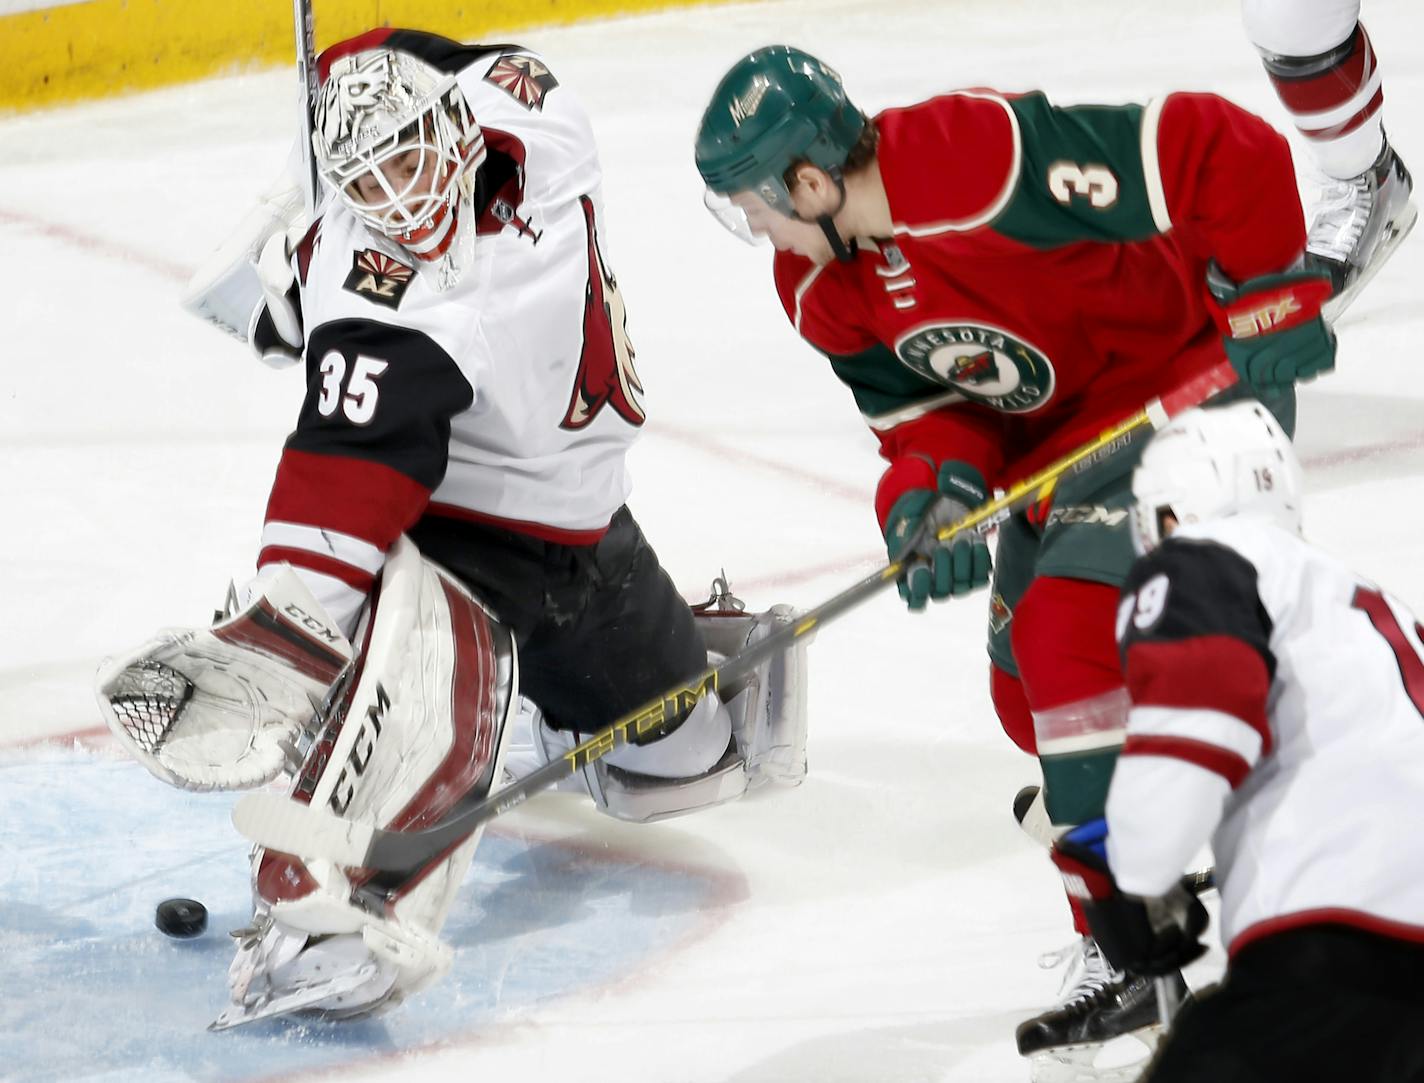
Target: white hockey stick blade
[[281, 824], [1032, 816]]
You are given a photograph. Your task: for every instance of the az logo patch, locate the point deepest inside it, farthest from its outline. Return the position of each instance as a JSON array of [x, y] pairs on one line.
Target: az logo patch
[[527, 80], [378, 277]]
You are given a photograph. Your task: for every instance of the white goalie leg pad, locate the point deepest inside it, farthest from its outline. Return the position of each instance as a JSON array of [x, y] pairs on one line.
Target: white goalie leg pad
[[225, 707], [696, 766], [768, 708], [421, 727]]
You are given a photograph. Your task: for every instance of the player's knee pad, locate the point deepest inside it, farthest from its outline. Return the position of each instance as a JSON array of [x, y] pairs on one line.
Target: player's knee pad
[[767, 707], [1064, 642], [420, 726], [697, 766], [694, 767]]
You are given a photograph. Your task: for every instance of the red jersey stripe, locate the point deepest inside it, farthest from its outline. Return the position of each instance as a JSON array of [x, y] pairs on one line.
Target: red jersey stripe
[[1168, 673], [352, 576], [1229, 765], [365, 499]]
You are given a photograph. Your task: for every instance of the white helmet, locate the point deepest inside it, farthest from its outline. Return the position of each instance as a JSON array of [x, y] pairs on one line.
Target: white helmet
[[380, 105], [1206, 464]]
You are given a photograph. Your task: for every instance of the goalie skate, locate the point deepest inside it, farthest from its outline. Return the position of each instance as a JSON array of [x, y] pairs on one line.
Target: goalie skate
[[296, 999], [278, 971]]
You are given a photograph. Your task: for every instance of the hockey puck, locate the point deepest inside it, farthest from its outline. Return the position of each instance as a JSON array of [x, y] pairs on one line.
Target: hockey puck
[[181, 919]]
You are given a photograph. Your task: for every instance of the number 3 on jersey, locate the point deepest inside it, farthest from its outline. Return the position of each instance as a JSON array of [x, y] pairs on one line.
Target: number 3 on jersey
[[1095, 183], [356, 398]]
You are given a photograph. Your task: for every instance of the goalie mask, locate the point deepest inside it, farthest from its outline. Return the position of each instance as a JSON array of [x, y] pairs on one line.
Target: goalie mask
[[396, 141], [1208, 464]]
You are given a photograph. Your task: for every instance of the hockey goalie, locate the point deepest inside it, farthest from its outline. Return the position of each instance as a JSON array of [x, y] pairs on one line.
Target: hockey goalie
[[446, 554]]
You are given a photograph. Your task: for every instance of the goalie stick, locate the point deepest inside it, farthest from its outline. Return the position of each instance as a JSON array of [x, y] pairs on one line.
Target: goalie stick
[[279, 823], [305, 23]]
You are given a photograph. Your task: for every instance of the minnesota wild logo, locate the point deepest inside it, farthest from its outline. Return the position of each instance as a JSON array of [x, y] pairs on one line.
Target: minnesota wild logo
[[985, 364]]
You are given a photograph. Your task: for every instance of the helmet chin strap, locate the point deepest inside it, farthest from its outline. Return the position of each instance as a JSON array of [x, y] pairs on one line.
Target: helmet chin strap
[[843, 251]]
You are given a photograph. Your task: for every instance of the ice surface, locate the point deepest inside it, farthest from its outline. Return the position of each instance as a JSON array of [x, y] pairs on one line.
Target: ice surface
[[882, 922]]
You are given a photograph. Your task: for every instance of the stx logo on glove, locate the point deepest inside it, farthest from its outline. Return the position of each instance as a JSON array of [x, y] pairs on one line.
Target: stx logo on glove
[[1271, 316]]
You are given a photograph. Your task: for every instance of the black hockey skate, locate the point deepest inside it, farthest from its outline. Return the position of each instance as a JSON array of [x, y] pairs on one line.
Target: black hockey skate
[[1069, 1043], [1358, 225]]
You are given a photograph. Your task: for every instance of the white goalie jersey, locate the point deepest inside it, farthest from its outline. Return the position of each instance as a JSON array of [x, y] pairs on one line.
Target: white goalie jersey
[[1278, 710], [507, 398]]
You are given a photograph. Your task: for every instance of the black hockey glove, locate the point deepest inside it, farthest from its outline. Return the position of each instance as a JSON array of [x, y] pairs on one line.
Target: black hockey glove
[[1157, 935], [940, 569], [1271, 326]]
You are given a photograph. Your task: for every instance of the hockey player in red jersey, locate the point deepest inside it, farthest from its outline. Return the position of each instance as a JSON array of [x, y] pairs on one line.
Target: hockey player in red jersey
[[1277, 713], [997, 280], [1323, 67], [446, 533]]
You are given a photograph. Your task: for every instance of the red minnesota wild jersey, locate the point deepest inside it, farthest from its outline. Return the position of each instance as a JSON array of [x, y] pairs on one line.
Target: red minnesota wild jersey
[[1046, 275]]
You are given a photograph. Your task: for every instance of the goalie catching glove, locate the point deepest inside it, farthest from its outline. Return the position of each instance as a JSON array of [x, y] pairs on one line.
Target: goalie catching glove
[[938, 569], [224, 708], [1155, 936]]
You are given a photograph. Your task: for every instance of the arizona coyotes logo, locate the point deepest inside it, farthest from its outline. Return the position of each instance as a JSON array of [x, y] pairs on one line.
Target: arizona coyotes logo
[[605, 374], [377, 277], [526, 80]]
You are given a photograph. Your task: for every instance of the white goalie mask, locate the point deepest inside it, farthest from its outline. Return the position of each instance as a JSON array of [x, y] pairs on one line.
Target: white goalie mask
[[396, 141], [1208, 464]]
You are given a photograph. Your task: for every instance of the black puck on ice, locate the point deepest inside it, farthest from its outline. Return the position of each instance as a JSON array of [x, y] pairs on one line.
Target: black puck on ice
[[181, 919]]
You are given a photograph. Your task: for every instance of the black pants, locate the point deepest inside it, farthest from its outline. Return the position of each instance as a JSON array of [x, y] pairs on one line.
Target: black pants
[[601, 629], [1321, 1004]]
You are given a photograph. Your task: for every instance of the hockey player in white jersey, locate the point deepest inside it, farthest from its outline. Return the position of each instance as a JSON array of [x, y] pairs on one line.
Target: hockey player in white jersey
[[1277, 712], [1323, 67], [451, 502]]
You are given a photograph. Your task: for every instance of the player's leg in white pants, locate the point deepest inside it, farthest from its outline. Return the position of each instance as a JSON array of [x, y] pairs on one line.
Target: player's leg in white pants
[[1323, 67]]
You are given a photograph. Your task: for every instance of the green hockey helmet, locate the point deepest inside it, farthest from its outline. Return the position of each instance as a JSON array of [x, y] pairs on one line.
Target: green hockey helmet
[[776, 106]]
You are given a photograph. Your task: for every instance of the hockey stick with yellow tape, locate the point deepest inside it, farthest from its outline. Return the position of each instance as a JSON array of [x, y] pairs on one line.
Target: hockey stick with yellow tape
[[281, 824]]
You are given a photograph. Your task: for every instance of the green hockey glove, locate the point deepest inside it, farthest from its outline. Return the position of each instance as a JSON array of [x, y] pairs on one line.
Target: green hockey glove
[[938, 570], [1272, 327]]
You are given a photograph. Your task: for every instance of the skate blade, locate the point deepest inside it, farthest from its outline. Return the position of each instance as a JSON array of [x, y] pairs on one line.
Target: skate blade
[[1120, 1060], [1334, 308], [239, 1015]]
